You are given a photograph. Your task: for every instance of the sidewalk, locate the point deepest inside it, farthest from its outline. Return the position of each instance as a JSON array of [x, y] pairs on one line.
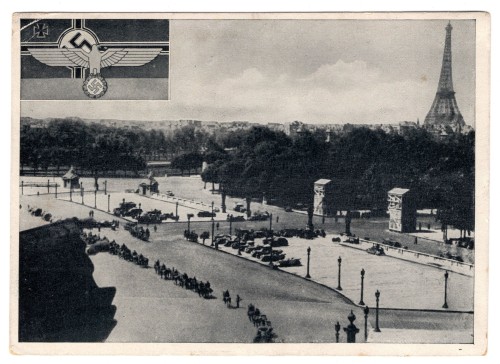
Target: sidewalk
[[403, 284]]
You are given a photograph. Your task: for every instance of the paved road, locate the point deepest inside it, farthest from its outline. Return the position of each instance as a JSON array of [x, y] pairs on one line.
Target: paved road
[[151, 310]]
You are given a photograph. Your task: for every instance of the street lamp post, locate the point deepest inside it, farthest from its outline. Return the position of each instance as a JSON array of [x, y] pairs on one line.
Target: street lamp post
[[231, 224], [56, 190], [95, 198], [176, 208], [48, 186], [377, 296], [366, 311], [351, 329], [82, 191], [446, 275], [22, 187], [109, 196], [339, 287], [189, 216], [308, 261], [337, 330], [71, 194], [106, 188], [362, 286], [213, 224], [271, 222]]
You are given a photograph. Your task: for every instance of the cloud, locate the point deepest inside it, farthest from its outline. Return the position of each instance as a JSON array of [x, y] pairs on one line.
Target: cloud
[[339, 92]]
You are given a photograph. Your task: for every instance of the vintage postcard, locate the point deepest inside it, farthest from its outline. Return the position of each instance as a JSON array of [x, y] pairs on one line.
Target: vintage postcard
[[250, 184]]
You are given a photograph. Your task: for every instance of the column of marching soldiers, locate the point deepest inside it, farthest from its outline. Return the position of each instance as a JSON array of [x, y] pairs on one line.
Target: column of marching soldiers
[[265, 332]]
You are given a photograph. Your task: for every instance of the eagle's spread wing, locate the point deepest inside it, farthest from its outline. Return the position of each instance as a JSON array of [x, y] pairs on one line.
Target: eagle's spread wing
[[60, 57], [129, 57]]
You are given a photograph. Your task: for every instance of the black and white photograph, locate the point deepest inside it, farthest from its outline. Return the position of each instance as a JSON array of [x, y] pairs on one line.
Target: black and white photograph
[[258, 179]]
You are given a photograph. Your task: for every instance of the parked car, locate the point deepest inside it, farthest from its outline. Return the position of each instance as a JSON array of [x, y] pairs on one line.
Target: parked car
[[236, 218], [259, 217], [291, 262], [352, 240], [123, 208], [133, 212], [239, 207], [249, 249], [206, 214], [392, 243]]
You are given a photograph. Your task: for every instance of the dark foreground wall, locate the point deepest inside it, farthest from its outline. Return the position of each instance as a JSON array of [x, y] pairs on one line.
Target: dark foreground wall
[[59, 300]]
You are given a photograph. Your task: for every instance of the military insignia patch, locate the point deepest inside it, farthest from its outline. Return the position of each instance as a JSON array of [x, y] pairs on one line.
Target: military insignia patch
[[104, 55]]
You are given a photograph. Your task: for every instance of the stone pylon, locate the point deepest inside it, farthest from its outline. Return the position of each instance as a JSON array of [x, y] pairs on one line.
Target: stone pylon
[[444, 109]]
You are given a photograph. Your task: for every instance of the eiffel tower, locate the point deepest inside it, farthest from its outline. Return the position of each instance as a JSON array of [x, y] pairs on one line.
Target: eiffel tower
[[444, 109]]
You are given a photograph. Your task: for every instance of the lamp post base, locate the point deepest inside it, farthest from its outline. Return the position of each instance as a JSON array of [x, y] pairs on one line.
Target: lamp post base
[[445, 305]]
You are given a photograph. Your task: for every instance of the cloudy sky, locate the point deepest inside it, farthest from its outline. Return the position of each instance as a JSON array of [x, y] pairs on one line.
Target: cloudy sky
[[316, 71]]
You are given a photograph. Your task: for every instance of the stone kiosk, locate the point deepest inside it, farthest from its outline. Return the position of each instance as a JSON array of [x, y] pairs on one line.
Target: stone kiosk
[[402, 210], [149, 184], [323, 197], [71, 180]]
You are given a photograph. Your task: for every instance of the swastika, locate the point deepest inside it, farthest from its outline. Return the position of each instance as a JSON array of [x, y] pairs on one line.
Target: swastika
[[95, 86], [83, 43]]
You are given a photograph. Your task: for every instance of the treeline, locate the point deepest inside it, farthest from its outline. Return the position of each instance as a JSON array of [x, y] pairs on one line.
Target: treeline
[[101, 149], [363, 165], [57, 143]]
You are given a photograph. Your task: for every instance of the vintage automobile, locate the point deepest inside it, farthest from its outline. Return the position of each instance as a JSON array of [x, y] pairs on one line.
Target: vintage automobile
[[206, 214], [260, 251], [249, 249], [133, 212], [151, 217], [279, 242], [239, 207], [123, 208], [352, 240], [274, 256], [291, 262], [392, 243], [259, 217], [376, 250], [235, 218]]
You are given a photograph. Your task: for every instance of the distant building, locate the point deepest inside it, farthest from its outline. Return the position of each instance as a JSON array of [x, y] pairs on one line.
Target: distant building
[[276, 126], [402, 210], [294, 128]]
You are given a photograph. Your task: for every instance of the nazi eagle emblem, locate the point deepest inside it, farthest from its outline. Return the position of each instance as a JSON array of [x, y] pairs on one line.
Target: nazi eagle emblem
[[80, 48]]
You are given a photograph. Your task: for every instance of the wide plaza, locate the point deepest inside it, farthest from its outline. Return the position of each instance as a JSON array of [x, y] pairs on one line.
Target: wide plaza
[[301, 310]]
